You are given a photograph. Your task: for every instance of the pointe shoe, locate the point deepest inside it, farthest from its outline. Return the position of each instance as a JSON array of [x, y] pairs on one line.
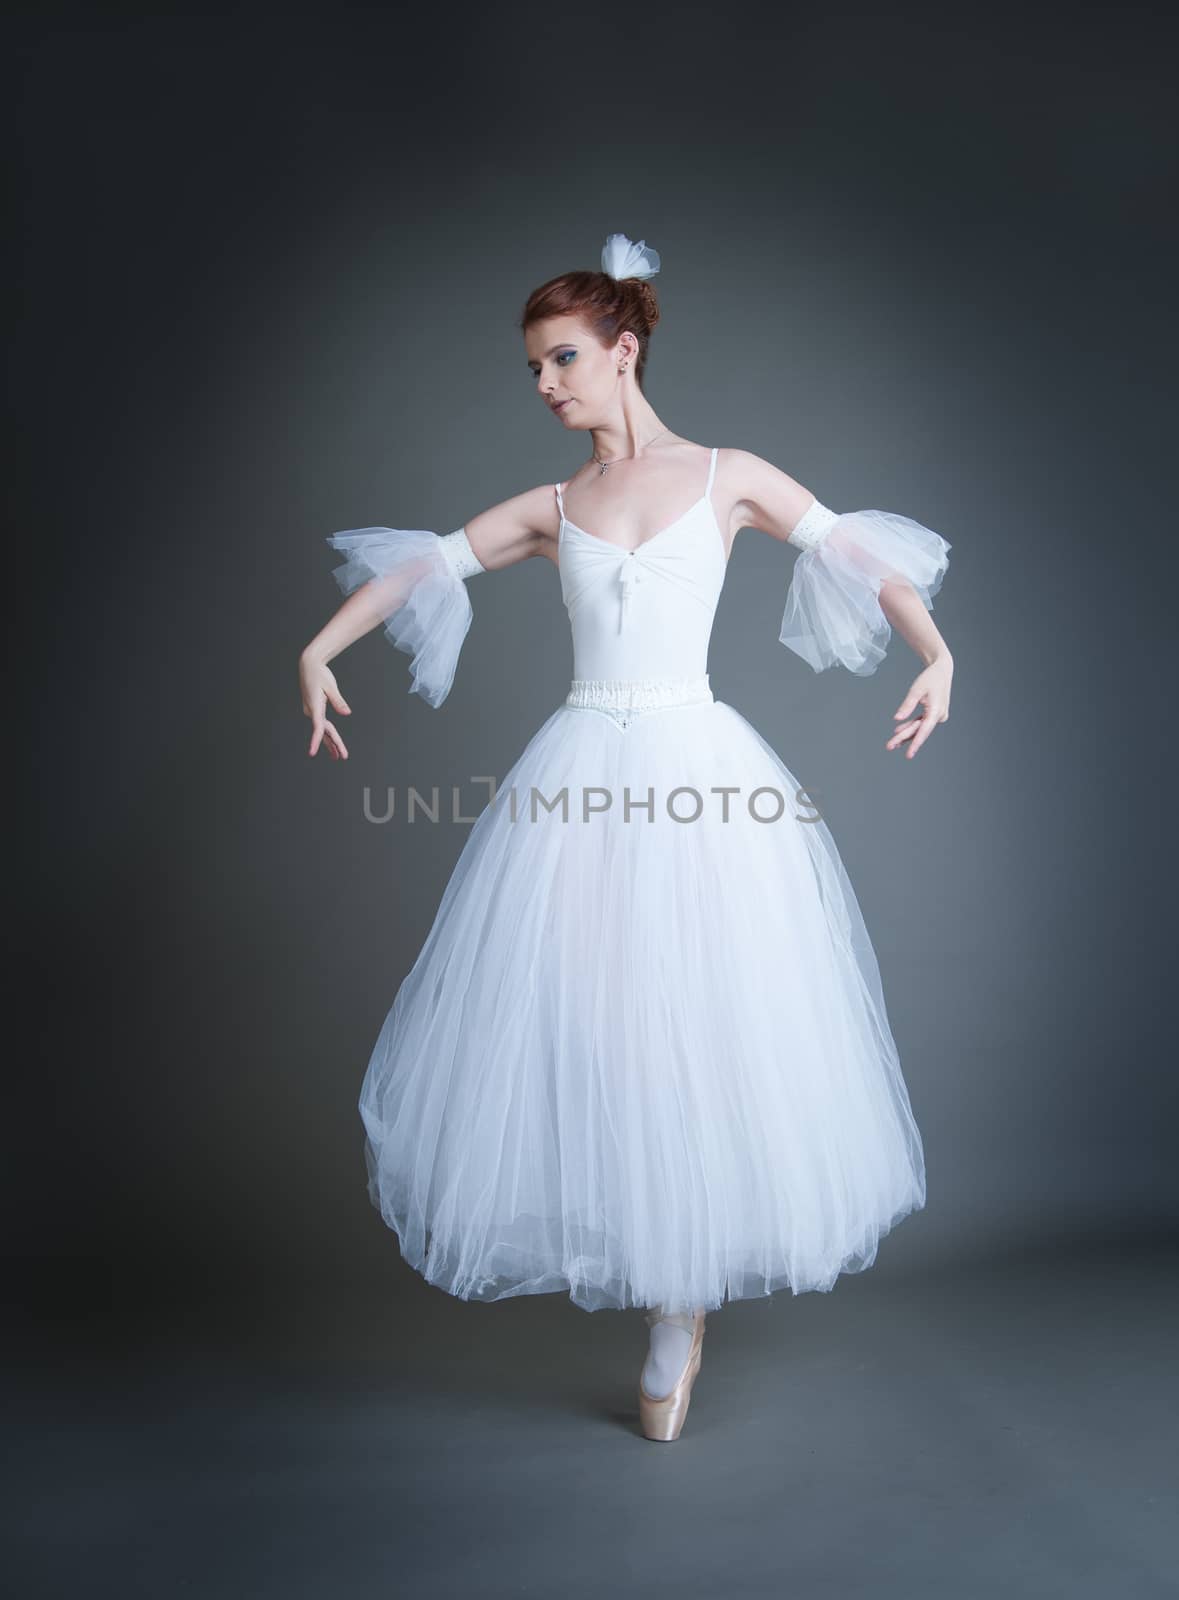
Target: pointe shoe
[[663, 1418]]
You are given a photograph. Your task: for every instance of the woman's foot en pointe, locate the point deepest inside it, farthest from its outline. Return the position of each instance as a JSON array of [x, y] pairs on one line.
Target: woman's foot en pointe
[[661, 1416]]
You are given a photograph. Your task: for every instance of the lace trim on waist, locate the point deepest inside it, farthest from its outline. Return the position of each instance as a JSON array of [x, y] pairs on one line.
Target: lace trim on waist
[[637, 694]]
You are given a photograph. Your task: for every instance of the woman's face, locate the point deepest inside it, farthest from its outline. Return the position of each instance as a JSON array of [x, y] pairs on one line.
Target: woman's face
[[576, 378]]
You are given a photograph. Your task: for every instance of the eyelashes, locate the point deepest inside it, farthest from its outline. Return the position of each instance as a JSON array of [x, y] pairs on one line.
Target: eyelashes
[[563, 360]]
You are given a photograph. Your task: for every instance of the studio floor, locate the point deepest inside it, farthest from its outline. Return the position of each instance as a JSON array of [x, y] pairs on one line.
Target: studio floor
[[1008, 1429]]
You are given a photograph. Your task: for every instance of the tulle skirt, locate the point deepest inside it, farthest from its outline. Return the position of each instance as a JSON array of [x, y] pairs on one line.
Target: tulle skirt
[[642, 1059]]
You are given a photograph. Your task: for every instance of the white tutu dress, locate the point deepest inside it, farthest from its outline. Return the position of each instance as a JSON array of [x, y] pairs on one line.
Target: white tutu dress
[[643, 1056]]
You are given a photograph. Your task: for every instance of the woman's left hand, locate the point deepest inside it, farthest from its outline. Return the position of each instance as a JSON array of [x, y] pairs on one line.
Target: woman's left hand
[[930, 689]]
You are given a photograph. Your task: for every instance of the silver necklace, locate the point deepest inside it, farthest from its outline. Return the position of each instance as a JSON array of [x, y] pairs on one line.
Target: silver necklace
[[604, 464]]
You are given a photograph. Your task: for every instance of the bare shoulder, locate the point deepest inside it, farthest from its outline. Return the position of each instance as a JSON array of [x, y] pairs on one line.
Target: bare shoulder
[[517, 528], [756, 494]]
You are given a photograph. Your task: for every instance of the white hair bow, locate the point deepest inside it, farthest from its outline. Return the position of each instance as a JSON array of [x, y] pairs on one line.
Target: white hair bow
[[622, 258]]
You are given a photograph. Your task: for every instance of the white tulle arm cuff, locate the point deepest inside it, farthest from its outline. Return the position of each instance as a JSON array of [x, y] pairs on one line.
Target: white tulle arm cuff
[[833, 612], [416, 585]]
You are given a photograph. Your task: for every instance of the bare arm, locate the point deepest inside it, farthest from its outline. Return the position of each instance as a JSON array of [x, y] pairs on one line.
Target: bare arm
[[428, 569], [774, 503]]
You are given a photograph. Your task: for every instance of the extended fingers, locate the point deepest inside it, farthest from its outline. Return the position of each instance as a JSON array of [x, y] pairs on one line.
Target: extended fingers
[[313, 708], [908, 703], [924, 729], [918, 730], [905, 731], [336, 745]]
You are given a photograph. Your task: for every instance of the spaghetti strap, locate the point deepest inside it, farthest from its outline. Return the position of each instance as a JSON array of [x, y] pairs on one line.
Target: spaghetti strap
[[711, 473], [560, 501]]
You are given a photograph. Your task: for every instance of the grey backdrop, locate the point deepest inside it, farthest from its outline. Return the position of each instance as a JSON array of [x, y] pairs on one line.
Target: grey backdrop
[[267, 276]]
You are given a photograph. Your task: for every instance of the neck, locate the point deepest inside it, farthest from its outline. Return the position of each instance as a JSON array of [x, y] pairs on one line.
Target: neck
[[629, 434]]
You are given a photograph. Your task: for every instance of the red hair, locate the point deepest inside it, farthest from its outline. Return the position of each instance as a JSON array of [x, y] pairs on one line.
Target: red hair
[[608, 306]]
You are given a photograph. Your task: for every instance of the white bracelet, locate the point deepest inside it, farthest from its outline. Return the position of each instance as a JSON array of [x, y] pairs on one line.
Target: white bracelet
[[456, 548], [813, 526]]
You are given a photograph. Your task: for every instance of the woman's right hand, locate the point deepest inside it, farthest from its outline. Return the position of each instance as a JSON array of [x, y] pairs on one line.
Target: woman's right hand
[[317, 684]]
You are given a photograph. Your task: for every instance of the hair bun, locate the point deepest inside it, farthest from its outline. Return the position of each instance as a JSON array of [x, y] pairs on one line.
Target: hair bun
[[645, 296]]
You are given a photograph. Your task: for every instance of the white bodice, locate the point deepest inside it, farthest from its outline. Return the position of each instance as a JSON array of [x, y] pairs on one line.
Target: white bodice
[[642, 618], [645, 613]]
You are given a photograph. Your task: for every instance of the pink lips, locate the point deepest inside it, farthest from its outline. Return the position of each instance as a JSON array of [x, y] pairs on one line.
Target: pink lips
[[561, 405]]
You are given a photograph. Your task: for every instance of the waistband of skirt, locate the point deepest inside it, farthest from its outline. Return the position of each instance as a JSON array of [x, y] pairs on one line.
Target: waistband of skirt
[[638, 694]]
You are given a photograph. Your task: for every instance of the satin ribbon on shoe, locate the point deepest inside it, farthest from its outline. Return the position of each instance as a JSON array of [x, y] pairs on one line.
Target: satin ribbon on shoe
[[682, 1319]]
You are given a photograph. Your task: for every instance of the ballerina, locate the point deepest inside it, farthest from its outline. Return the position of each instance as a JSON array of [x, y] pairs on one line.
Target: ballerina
[[643, 1056]]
